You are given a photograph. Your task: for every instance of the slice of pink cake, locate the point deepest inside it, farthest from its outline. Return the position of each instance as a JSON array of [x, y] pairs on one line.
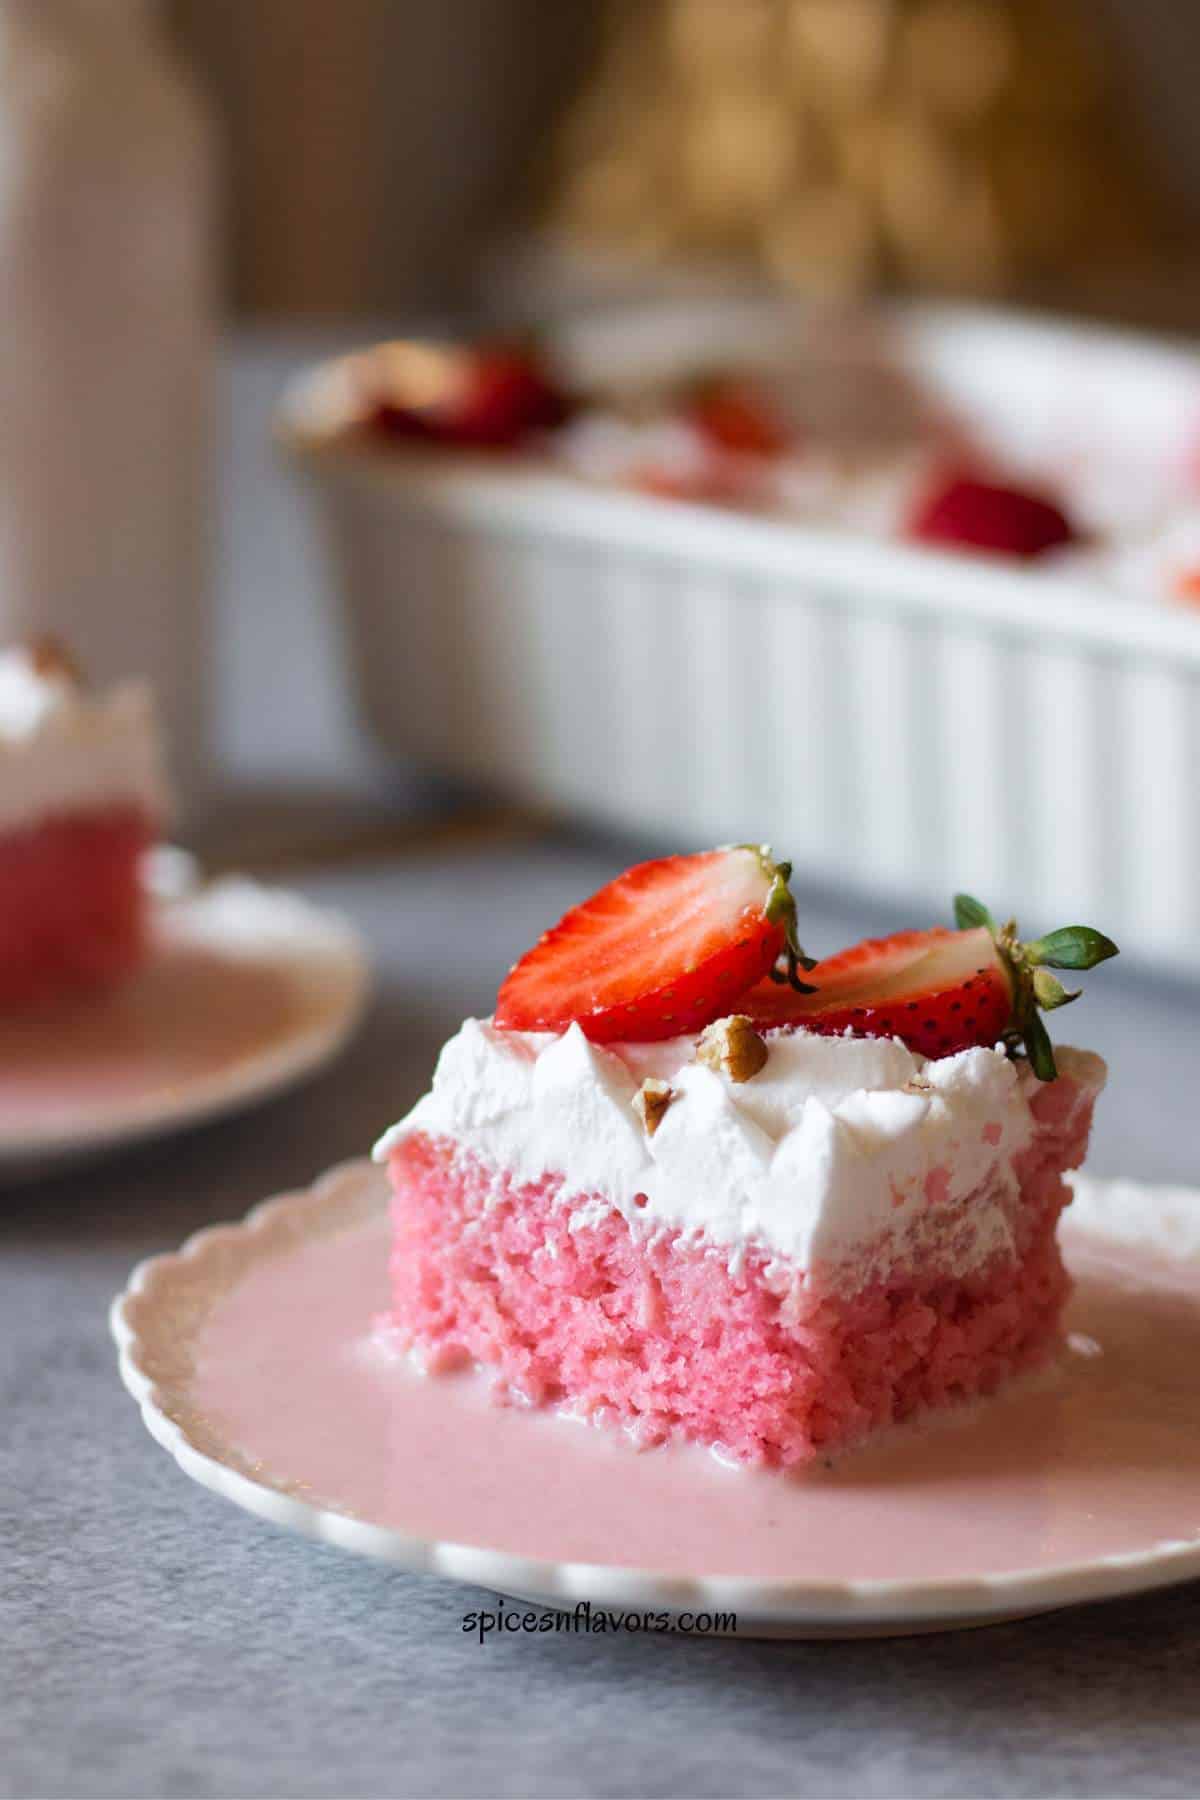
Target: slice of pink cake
[[772, 1226], [82, 799], [782, 1266]]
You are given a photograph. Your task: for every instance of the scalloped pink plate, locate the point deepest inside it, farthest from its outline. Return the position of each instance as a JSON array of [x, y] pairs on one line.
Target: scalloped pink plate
[[253, 1356], [247, 989]]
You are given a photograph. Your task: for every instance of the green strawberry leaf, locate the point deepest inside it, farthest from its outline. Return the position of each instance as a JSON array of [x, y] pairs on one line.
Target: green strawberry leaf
[[1028, 967], [1039, 1048], [1049, 991], [969, 914], [1074, 947]]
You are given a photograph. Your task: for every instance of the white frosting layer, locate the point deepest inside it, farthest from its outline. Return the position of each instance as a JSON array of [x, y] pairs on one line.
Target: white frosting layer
[[838, 1148], [64, 750]]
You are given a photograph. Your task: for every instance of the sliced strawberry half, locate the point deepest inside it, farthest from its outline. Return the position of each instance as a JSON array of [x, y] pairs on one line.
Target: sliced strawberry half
[[971, 513], [662, 950], [939, 991]]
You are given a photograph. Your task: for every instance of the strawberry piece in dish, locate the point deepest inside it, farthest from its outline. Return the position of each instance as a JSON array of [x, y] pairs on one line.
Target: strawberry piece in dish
[[967, 512], [469, 397]]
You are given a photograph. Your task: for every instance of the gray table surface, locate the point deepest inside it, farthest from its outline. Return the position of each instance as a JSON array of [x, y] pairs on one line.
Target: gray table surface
[[155, 1641], [159, 1642]]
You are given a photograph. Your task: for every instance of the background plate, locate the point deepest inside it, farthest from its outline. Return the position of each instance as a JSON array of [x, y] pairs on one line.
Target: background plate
[[248, 989]]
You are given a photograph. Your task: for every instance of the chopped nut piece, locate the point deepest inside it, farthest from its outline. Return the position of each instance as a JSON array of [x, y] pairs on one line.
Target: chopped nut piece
[[651, 1102], [49, 656], [732, 1047]]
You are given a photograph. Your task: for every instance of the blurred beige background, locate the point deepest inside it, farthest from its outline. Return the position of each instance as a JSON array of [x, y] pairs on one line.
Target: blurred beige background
[[371, 143], [374, 145]]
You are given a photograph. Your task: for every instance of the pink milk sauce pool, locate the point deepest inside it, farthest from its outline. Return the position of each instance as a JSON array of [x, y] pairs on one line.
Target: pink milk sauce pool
[[1097, 1456]]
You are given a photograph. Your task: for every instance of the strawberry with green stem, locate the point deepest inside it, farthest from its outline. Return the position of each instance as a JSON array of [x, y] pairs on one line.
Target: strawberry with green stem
[[1028, 966], [941, 991]]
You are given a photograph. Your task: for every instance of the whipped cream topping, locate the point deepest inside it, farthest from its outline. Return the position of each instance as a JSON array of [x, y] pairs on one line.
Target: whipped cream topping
[[868, 492], [1164, 562], [836, 1150], [65, 750]]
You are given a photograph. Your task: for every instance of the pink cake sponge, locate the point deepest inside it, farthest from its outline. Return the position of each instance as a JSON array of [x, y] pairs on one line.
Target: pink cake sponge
[[72, 903], [674, 1340]]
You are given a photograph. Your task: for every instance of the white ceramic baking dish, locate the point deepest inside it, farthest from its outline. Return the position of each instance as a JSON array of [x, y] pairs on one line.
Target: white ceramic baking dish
[[892, 718]]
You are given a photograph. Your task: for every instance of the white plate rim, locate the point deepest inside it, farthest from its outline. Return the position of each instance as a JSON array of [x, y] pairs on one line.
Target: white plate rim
[[325, 954], [796, 1606]]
